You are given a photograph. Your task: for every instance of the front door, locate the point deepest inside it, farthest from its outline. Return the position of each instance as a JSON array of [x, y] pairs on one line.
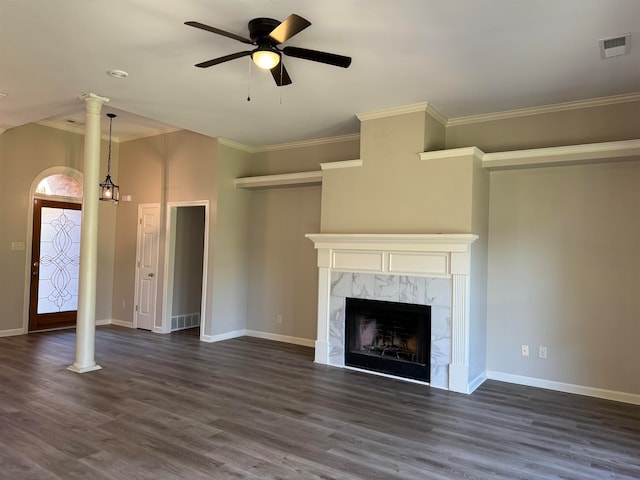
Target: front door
[[55, 264]]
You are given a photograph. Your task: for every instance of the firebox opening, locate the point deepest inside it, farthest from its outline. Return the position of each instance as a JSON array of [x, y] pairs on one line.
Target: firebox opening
[[388, 337]]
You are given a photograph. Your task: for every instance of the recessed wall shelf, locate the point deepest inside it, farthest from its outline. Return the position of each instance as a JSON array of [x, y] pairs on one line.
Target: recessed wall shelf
[[546, 157], [298, 179]]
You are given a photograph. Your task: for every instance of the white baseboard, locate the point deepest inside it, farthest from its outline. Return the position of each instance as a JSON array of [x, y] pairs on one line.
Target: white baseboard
[[476, 382], [122, 323], [566, 387], [11, 332], [305, 342], [223, 336], [104, 321], [255, 333]]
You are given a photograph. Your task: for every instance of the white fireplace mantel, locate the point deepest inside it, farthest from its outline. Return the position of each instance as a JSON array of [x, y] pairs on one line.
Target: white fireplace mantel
[[417, 255]]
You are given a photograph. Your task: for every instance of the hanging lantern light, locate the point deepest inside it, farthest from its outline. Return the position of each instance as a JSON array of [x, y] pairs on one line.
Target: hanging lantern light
[[109, 191]]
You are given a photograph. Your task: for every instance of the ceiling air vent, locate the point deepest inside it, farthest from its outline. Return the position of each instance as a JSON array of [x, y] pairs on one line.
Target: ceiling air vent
[[615, 46]]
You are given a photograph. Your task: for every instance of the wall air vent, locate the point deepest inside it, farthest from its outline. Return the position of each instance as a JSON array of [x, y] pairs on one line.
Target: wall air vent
[[615, 46]]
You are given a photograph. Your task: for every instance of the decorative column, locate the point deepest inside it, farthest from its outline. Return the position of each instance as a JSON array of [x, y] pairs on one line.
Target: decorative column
[[86, 320], [459, 366]]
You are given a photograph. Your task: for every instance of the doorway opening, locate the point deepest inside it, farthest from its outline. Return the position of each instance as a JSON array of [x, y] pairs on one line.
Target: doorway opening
[[186, 267]]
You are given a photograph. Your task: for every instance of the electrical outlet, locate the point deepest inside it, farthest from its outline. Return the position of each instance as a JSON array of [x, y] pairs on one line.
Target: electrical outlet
[[542, 352], [525, 350], [279, 318]]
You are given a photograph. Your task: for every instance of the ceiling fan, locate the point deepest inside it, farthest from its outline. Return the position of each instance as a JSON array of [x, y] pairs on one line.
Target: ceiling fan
[[267, 34]]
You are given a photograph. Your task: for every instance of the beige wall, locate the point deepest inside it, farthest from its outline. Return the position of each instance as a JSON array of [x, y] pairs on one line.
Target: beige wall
[[283, 276], [564, 269], [141, 175], [283, 267], [229, 271], [174, 167], [571, 127], [394, 191], [303, 158], [25, 152], [479, 261]]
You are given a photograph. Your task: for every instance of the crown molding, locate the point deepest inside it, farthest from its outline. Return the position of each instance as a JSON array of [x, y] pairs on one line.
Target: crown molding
[[556, 107], [390, 112], [435, 113], [67, 127], [308, 143], [151, 133], [414, 108], [284, 146], [235, 145], [79, 129]]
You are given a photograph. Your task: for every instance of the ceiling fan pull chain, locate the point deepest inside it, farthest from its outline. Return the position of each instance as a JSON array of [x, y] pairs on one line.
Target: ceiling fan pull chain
[[249, 82], [281, 79]]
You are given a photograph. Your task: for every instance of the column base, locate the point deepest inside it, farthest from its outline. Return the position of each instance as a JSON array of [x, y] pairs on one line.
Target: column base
[[76, 369], [322, 352], [459, 378]]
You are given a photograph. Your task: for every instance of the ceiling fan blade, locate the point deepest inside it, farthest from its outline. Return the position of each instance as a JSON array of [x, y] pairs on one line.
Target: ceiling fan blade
[[208, 28], [226, 58], [316, 56], [291, 26], [281, 76]]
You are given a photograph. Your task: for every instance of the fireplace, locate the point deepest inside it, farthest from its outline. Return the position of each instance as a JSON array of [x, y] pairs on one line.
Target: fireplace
[[423, 269], [388, 337]]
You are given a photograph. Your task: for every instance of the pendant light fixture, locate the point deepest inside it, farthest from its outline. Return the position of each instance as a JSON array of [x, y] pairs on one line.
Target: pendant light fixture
[[109, 191]]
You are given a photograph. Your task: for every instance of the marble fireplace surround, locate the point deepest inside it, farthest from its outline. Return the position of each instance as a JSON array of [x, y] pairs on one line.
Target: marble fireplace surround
[[425, 269]]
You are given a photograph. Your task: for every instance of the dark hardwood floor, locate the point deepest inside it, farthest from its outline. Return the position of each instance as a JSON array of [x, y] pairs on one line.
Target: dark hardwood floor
[[171, 407]]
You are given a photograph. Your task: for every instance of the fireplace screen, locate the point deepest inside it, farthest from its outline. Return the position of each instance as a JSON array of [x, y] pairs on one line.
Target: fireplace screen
[[388, 337]]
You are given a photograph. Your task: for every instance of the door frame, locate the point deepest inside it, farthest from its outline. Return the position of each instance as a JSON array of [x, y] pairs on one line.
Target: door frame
[[58, 170], [141, 206], [60, 319], [169, 263]]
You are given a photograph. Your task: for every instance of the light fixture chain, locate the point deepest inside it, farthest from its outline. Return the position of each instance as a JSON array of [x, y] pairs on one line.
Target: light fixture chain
[[109, 155]]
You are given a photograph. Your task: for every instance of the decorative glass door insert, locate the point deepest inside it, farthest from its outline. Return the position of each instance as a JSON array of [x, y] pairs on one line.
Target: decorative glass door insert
[[55, 264]]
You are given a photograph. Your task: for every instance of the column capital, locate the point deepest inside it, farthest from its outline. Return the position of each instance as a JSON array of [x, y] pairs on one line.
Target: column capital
[[93, 96], [93, 102]]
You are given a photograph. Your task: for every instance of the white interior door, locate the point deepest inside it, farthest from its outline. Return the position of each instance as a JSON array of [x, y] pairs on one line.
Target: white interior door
[[147, 266]]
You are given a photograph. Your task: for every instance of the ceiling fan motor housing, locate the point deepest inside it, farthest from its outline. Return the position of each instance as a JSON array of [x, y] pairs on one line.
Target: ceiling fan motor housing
[[260, 28]]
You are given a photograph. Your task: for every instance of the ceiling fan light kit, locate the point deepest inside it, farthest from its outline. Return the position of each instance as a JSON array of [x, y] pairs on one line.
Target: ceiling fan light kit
[[267, 34], [265, 58]]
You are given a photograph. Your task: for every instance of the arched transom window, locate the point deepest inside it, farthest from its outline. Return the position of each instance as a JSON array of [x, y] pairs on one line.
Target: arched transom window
[[60, 185]]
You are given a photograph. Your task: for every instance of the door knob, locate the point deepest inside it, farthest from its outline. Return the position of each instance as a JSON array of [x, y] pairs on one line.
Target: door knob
[[151, 274]]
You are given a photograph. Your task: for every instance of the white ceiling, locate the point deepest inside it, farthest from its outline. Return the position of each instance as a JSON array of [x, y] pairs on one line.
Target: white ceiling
[[464, 57]]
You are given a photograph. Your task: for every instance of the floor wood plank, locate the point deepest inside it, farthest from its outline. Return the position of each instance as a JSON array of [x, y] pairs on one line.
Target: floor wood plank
[[172, 407]]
